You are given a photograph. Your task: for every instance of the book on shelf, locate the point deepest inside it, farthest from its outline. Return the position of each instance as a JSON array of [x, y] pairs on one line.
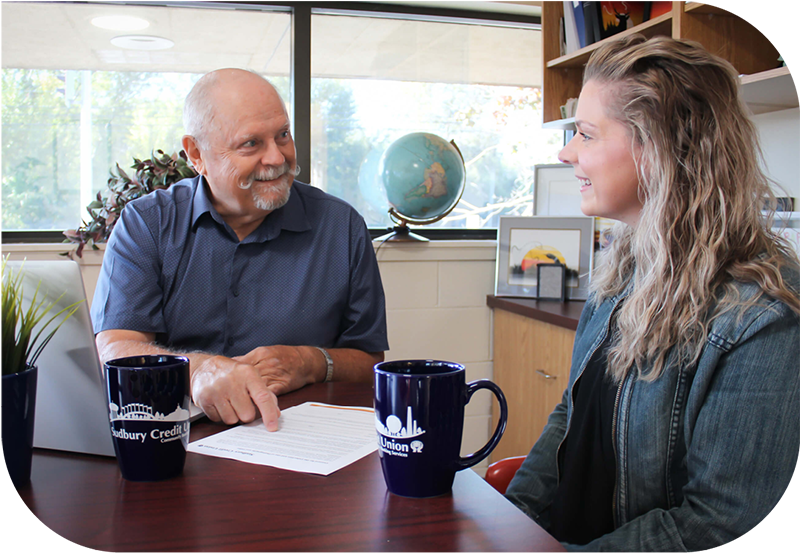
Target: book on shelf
[[568, 110], [580, 26], [595, 21], [591, 21], [571, 39]]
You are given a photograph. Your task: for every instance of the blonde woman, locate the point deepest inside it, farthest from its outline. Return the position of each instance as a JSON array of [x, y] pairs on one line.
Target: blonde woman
[[680, 425]]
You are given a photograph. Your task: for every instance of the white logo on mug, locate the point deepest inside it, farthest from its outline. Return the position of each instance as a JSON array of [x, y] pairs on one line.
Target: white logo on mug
[[394, 429], [139, 411], [394, 426]]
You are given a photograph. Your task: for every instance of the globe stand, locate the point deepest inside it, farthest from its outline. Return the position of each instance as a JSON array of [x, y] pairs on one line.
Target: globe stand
[[401, 233]]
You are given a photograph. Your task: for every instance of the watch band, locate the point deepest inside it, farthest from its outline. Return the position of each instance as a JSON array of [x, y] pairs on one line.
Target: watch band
[[328, 363]]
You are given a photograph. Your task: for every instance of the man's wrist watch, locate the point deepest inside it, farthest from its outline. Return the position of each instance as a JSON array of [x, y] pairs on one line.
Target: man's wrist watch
[[328, 364]]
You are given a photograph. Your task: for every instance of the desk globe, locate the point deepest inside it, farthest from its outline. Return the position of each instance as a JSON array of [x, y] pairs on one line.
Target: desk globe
[[424, 177]]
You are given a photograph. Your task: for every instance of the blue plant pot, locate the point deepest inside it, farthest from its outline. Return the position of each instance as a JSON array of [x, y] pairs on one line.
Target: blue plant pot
[[19, 408]]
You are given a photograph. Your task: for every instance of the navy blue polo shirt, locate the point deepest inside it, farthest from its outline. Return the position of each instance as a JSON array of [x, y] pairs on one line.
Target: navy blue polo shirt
[[306, 276]]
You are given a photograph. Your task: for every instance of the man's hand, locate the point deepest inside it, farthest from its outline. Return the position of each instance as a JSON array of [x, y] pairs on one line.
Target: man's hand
[[230, 390], [227, 389], [223, 388], [286, 368]]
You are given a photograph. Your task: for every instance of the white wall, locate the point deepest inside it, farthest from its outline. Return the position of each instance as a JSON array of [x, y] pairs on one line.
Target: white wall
[[436, 309], [780, 141]]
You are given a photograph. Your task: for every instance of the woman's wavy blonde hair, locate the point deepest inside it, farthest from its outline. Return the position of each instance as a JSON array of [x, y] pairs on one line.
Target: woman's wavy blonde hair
[[703, 192]]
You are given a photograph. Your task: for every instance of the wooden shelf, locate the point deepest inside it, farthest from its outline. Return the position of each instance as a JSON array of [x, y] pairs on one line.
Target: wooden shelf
[[764, 88], [560, 124], [699, 7], [768, 91], [661, 25], [764, 92]]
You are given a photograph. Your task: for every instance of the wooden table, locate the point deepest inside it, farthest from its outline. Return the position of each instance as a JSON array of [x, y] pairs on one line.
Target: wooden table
[[225, 505]]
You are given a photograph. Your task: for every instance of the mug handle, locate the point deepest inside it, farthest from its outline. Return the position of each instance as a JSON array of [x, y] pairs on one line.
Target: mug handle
[[470, 460]]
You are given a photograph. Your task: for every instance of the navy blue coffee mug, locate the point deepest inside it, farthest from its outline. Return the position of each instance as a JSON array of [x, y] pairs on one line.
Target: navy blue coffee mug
[[419, 415], [148, 406]]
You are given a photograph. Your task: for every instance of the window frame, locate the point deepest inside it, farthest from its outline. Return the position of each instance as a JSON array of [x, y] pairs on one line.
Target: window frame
[[301, 84]]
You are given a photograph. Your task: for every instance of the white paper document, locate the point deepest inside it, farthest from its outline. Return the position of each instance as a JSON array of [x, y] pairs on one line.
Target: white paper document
[[312, 437]]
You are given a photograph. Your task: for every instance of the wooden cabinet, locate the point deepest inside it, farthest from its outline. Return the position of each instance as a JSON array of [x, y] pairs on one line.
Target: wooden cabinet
[[765, 85], [531, 365]]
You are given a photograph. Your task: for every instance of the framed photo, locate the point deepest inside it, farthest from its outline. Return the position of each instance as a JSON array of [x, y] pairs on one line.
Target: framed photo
[[524, 242], [558, 191]]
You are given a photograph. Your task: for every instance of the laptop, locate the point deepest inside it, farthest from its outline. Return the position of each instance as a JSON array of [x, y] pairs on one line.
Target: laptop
[[71, 405]]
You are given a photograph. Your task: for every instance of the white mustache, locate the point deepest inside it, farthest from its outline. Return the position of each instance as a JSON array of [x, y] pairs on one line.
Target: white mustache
[[271, 173]]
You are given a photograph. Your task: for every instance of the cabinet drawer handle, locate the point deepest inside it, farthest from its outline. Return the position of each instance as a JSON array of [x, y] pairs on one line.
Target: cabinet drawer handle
[[544, 374]]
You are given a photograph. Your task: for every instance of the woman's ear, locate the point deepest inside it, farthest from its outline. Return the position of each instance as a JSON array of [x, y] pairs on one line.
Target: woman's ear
[[194, 153]]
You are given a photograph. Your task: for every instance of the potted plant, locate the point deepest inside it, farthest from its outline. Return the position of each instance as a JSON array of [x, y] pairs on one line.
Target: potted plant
[[158, 172], [24, 337]]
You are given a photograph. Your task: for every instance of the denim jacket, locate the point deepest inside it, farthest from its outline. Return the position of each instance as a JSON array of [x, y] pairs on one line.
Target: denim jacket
[[705, 451]]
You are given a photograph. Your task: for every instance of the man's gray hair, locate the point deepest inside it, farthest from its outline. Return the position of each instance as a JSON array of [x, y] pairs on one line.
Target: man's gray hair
[[199, 116]]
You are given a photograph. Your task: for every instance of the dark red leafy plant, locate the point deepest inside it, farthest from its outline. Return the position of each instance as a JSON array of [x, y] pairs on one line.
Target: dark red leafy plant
[[158, 172]]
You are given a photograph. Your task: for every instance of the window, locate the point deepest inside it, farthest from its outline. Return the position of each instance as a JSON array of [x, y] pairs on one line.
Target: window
[[64, 129], [375, 79], [74, 104]]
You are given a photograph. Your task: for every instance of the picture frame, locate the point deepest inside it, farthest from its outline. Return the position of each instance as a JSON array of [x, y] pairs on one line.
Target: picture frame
[[523, 242], [557, 191]]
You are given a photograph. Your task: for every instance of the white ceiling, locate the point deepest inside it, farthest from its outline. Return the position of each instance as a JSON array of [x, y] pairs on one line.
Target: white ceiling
[[59, 35]]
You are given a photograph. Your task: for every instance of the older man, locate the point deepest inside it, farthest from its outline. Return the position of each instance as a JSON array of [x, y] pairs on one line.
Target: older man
[[265, 283]]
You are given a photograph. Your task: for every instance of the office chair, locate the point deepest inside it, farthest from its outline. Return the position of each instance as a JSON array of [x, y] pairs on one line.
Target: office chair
[[500, 473]]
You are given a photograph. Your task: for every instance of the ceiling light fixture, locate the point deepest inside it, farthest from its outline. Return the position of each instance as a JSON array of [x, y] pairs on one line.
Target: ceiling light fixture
[[120, 23], [142, 42]]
